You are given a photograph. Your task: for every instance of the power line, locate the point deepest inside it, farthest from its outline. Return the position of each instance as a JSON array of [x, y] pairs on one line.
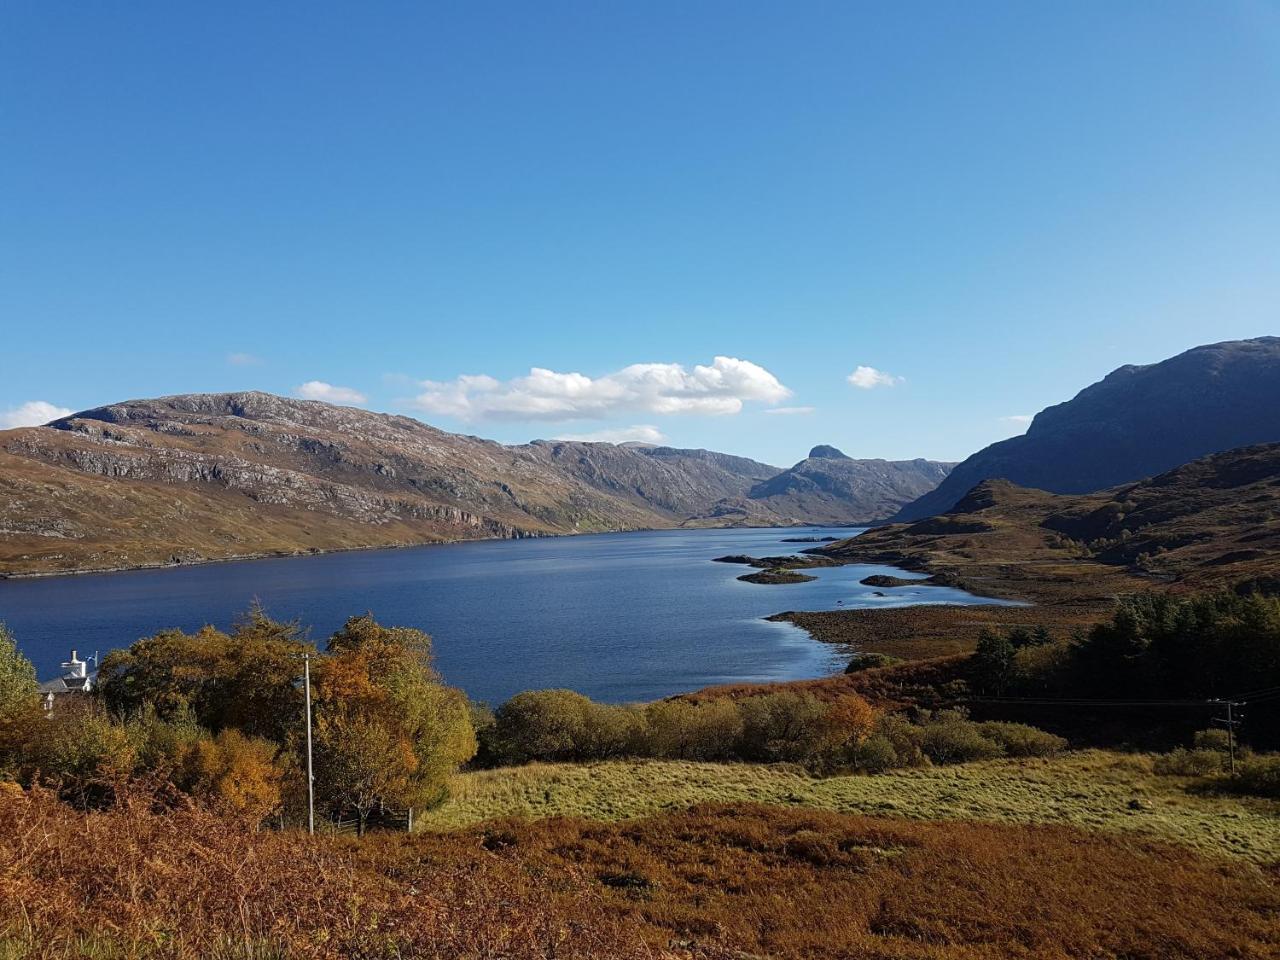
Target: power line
[[1083, 702]]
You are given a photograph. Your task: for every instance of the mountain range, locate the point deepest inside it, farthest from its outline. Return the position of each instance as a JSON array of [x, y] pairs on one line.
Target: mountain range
[[1213, 522], [1136, 422], [213, 476]]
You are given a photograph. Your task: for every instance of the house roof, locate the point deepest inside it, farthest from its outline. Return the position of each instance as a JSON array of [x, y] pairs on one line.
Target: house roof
[[67, 684]]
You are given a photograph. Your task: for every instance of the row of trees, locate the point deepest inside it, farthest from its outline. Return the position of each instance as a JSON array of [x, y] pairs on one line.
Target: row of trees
[[219, 715], [841, 735], [1155, 646]]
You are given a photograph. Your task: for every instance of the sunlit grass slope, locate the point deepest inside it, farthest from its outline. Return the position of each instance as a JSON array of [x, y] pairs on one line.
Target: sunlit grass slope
[[1091, 789]]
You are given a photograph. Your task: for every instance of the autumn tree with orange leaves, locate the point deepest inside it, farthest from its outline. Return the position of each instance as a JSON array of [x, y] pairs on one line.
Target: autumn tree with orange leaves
[[388, 732]]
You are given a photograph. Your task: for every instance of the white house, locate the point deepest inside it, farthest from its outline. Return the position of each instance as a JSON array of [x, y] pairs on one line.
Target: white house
[[75, 679]]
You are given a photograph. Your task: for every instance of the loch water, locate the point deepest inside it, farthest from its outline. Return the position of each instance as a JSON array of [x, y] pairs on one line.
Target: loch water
[[619, 617]]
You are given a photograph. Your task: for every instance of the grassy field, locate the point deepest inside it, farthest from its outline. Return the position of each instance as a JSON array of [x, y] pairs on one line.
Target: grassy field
[[1095, 790]]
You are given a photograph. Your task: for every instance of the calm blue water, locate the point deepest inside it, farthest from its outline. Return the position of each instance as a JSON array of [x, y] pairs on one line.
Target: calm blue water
[[631, 616]]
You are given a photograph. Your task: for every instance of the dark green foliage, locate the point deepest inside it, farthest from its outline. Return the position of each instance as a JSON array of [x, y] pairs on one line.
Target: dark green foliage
[[994, 663], [949, 737], [1259, 776], [244, 680], [1182, 762], [1021, 740], [870, 661], [1205, 646], [1212, 645], [782, 726]]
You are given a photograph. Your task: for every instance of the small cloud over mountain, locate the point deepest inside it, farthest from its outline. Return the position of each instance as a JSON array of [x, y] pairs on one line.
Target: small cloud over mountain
[[319, 390], [641, 433], [868, 378], [719, 388], [244, 360], [33, 413]]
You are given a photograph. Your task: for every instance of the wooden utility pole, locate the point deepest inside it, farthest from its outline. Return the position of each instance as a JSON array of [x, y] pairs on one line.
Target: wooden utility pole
[[311, 780], [1231, 722]]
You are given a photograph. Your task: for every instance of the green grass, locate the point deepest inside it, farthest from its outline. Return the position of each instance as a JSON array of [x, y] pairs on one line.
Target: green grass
[[1091, 789]]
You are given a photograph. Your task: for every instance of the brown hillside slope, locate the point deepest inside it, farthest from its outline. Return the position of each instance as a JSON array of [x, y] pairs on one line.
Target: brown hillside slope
[[213, 476], [715, 882], [1214, 522]]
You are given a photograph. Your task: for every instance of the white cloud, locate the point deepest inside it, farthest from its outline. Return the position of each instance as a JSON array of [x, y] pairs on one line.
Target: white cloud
[[868, 378], [662, 388], [319, 390], [1017, 423], [244, 360], [640, 433], [31, 414], [790, 411]]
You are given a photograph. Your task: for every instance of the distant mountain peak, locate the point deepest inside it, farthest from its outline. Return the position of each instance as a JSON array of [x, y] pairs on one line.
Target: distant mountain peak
[[825, 451]]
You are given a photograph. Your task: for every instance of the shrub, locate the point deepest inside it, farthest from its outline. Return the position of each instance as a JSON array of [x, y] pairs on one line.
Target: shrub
[[17, 675], [1021, 740], [79, 749], [875, 754], [541, 725], [782, 726], [611, 731], [1190, 763], [951, 738], [871, 661], [1259, 776], [161, 745], [235, 774], [846, 724], [680, 730], [1212, 739], [905, 738]]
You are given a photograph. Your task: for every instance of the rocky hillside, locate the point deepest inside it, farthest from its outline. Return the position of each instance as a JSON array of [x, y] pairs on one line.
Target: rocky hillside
[[1136, 422], [210, 476], [1212, 522], [829, 487]]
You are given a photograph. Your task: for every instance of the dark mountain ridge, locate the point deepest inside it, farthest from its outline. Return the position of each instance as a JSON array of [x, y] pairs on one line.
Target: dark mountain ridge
[[1136, 422], [826, 483]]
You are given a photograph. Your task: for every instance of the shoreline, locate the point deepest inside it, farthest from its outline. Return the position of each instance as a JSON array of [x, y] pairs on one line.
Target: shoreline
[[403, 545]]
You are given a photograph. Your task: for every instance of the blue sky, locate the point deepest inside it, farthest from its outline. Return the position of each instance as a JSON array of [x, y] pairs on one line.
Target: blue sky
[[989, 205]]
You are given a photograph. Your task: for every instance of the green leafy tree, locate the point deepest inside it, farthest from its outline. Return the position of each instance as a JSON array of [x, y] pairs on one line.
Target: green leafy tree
[[682, 730], [17, 675], [80, 749], [783, 726], [994, 663], [547, 725], [244, 680]]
